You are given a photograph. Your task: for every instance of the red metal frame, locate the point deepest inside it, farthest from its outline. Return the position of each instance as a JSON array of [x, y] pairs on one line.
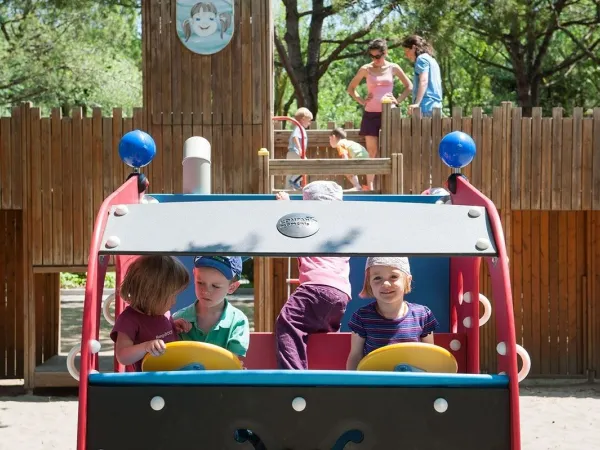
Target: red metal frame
[[127, 193], [501, 297], [302, 143], [464, 277]]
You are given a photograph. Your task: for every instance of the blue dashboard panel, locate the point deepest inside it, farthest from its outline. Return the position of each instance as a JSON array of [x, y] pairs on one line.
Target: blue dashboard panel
[[275, 378]]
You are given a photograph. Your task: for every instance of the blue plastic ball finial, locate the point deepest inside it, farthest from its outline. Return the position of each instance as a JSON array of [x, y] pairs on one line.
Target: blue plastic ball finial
[[457, 149], [137, 149]]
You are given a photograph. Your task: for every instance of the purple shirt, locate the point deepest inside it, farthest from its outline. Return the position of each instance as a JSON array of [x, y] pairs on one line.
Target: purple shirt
[[142, 328], [379, 331]]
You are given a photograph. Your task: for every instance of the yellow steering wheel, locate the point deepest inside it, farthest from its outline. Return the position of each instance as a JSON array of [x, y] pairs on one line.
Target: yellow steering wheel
[[187, 355], [410, 357]]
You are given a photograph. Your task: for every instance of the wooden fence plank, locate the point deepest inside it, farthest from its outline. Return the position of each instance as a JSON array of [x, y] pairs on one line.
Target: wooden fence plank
[[4, 280], [596, 161], [177, 72], [118, 177], [17, 151], [577, 160], [407, 155], [6, 182], [587, 164], [67, 191], [525, 163], [553, 274], [12, 266], [567, 163], [79, 183], [98, 160], [546, 151], [526, 269], [563, 293], [58, 244], [516, 164], [164, 56], [545, 280], [35, 151], [536, 158], [557, 167], [496, 160], [537, 313], [87, 171], [516, 263]]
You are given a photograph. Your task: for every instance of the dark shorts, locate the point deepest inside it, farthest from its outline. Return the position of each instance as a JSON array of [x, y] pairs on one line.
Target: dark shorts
[[370, 124], [312, 308]]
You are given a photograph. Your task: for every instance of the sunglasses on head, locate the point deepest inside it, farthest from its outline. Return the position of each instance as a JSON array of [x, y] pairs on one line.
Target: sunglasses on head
[[378, 56]]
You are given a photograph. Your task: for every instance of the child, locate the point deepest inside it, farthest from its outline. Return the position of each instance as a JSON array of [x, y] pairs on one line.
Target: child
[[348, 149], [211, 318], [304, 117], [150, 288], [319, 302], [389, 319]]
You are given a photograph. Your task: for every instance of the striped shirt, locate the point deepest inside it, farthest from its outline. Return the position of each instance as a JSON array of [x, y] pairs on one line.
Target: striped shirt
[[378, 331]]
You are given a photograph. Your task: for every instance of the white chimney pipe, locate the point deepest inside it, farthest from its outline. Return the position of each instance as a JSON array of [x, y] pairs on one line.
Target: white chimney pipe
[[196, 166]]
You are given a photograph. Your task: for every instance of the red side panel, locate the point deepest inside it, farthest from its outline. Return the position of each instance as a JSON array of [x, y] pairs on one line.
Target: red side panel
[[464, 278], [329, 351], [127, 194], [501, 299]]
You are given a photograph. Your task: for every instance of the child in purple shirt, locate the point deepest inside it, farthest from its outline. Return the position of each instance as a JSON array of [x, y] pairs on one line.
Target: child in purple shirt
[[150, 288], [390, 319], [319, 302]]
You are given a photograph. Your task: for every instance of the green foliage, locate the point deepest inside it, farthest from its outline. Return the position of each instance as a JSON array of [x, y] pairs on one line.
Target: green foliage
[[76, 53], [77, 280]]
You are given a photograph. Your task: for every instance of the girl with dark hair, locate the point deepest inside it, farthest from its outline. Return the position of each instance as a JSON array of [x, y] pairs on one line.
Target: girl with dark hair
[[427, 85], [379, 75]]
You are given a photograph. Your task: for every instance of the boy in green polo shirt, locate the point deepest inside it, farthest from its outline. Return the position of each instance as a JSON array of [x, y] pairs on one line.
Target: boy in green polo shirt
[[211, 318]]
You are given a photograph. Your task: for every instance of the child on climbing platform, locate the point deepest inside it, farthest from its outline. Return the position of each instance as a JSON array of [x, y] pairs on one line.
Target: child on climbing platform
[[295, 150], [319, 302], [348, 149], [211, 318], [389, 319], [150, 288]]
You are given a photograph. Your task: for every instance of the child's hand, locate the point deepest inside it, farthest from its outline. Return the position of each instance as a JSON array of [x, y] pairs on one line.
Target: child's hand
[[156, 347], [182, 325], [282, 196]]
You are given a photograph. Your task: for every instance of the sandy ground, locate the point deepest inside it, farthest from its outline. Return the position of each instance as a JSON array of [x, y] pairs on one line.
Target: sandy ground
[[566, 418]]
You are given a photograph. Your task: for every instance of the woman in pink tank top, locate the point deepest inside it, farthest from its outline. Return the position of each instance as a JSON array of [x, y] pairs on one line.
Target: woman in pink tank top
[[379, 75]]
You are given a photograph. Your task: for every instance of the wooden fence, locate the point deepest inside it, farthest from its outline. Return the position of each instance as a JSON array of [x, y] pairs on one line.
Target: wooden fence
[[543, 173]]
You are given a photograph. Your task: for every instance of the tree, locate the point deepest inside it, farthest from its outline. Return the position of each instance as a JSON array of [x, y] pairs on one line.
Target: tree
[[68, 53], [306, 68], [536, 41]]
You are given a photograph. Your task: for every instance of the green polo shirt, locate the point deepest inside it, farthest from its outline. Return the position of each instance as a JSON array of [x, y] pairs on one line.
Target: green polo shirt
[[231, 332]]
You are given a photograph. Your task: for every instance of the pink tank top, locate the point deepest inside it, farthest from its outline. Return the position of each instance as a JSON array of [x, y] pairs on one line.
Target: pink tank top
[[378, 86]]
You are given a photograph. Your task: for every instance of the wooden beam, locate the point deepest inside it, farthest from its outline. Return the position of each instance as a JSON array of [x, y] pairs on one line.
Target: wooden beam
[[316, 138], [376, 166]]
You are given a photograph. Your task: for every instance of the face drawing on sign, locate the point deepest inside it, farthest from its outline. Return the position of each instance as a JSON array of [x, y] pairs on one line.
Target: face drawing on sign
[[205, 20]]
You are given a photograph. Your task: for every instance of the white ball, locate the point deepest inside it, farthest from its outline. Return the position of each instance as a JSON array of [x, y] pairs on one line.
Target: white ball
[[455, 345], [157, 403], [95, 346], [440, 405], [501, 348], [299, 404]]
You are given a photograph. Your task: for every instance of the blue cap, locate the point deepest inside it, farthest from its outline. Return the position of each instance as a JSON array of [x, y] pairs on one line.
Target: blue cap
[[229, 266]]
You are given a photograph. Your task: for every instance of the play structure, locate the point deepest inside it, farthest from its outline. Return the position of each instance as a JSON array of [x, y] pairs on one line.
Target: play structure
[[409, 395]]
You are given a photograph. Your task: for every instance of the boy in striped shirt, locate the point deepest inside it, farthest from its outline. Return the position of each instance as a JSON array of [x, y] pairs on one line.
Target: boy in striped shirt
[[389, 319]]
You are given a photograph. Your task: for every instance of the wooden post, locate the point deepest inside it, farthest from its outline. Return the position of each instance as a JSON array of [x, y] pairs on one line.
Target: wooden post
[[397, 174], [264, 314], [28, 298]]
